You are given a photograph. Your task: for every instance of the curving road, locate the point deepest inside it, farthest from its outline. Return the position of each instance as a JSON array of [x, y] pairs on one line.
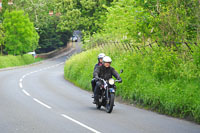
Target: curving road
[[37, 99]]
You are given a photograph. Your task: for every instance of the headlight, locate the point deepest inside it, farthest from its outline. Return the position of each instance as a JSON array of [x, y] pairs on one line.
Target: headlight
[[111, 81]]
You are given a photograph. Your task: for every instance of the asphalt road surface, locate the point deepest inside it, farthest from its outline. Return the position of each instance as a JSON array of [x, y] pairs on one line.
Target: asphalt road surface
[[37, 99]]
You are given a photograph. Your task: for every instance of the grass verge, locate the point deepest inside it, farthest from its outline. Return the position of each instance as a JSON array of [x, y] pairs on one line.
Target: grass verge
[[160, 79], [12, 61]]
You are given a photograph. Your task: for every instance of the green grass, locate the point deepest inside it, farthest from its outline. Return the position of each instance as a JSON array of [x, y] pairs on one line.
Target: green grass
[[12, 61], [160, 79]]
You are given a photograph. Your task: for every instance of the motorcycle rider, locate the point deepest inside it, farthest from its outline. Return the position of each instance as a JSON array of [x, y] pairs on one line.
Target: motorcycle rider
[[100, 60], [105, 72]]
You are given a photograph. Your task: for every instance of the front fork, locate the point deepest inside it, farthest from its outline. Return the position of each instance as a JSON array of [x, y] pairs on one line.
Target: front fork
[[108, 91]]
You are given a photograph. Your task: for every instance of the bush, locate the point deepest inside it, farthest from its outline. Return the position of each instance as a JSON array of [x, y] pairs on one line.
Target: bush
[[160, 79]]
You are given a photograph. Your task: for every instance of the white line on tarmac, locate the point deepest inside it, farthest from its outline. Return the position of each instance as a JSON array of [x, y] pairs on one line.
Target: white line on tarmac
[[25, 92], [43, 104], [79, 123], [20, 85]]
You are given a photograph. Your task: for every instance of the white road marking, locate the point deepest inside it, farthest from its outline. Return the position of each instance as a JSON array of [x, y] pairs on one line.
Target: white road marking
[[79, 123], [30, 73], [43, 104], [27, 74], [20, 85], [25, 92]]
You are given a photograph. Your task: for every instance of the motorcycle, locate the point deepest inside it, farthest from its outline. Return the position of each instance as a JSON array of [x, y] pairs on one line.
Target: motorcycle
[[106, 95]]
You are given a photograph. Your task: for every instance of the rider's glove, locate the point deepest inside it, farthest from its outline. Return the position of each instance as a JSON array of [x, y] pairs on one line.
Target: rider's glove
[[119, 80]]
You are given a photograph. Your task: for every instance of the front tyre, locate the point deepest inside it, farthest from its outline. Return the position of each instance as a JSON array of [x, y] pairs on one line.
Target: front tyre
[[98, 103], [110, 103]]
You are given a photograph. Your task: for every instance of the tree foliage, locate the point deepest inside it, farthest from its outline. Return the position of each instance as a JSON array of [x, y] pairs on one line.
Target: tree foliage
[[50, 38], [2, 38], [128, 20], [20, 33], [143, 21], [85, 15], [46, 25]]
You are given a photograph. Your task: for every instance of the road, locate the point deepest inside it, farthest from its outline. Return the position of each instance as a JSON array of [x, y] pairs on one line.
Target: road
[[37, 99]]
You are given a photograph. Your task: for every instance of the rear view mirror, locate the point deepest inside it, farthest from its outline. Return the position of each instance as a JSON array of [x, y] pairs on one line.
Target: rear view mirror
[[121, 71]]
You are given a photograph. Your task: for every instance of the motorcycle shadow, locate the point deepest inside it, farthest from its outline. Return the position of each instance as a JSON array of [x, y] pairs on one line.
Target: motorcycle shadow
[[102, 109]]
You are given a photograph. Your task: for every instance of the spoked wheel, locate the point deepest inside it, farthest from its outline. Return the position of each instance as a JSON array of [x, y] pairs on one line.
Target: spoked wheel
[[110, 103]]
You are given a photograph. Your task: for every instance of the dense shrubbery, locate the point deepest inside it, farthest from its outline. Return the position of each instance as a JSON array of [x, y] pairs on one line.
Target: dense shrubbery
[[161, 79], [11, 61]]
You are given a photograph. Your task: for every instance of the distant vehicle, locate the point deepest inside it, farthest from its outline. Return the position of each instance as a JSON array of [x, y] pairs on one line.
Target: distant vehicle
[[74, 38], [33, 54]]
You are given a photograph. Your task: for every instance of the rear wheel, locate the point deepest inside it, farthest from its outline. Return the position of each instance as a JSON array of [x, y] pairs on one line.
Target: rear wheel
[[110, 103]]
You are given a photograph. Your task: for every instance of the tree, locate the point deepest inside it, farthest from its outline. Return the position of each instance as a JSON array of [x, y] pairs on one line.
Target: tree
[[38, 10], [142, 21], [50, 39], [20, 34], [2, 38], [82, 14], [173, 20]]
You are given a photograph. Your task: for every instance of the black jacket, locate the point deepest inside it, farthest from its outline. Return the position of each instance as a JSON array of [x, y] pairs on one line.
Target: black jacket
[[98, 64], [105, 73]]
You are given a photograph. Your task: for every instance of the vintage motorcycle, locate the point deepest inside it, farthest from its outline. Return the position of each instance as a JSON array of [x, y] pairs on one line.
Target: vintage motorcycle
[[106, 95]]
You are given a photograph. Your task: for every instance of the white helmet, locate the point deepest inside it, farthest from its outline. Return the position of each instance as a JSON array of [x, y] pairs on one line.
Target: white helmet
[[101, 56], [107, 59]]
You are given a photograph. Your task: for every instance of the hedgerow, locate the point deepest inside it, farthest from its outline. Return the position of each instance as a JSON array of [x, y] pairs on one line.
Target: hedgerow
[[161, 78]]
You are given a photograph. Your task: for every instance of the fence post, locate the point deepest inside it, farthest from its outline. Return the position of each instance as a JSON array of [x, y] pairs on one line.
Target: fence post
[[165, 43], [157, 43], [138, 48], [145, 49], [196, 44], [134, 49], [130, 47], [188, 46], [127, 48], [123, 46], [175, 46]]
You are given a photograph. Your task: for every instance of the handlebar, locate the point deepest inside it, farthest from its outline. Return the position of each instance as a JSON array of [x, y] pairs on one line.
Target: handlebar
[[119, 81]]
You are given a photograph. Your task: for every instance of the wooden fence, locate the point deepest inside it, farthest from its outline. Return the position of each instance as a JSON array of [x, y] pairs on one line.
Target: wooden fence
[[132, 47]]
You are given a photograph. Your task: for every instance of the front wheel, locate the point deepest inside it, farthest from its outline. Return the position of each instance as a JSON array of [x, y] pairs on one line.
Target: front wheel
[[98, 103], [110, 103]]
